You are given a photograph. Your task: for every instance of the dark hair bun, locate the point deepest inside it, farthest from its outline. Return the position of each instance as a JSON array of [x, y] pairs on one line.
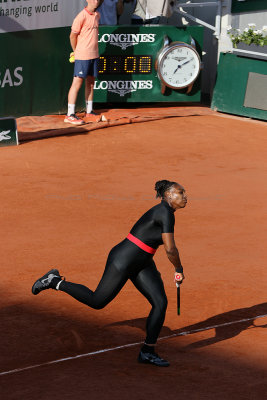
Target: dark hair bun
[[162, 186]]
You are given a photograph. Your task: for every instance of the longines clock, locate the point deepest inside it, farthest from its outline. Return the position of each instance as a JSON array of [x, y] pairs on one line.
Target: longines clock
[[154, 63], [178, 65]]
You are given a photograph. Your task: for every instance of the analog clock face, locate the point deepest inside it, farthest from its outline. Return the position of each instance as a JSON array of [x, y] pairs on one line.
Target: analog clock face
[[179, 66]]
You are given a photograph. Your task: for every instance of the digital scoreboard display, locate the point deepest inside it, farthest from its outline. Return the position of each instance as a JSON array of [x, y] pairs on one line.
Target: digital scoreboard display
[[125, 65]]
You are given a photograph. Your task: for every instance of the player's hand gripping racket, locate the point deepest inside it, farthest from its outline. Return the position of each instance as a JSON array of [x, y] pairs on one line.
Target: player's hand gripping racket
[[178, 278]]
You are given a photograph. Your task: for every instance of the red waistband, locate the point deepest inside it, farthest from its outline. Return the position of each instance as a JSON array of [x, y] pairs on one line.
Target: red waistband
[[140, 244]]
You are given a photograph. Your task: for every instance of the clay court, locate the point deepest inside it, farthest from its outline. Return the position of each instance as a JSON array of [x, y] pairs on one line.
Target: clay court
[[66, 201]]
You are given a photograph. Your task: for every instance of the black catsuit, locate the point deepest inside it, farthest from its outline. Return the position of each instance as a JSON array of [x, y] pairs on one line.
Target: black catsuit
[[128, 261]]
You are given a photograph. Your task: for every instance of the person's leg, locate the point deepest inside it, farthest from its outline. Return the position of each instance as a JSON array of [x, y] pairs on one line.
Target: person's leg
[[92, 73], [89, 88], [89, 93], [109, 286], [148, 281], [74, 90], [150, 284], [72, 97]]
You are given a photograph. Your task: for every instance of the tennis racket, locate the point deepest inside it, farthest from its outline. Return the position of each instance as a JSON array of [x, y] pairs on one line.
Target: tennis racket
[[177, 279], [178, 299]]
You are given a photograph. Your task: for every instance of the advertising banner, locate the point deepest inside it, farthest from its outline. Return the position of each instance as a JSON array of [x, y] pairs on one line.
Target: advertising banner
[[20, 15], [35, 73]]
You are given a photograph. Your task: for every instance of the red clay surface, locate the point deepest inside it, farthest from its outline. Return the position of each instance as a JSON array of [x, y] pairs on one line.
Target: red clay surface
[[65, 201]]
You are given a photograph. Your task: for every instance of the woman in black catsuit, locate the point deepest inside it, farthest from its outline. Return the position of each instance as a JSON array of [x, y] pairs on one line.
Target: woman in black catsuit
[[133, 259]]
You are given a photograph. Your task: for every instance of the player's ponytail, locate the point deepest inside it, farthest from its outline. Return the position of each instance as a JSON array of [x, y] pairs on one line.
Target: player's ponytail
[[162, 186]]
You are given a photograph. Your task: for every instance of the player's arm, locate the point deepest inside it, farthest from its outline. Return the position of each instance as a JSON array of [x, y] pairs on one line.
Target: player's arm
[[73, 40], [173, 253]]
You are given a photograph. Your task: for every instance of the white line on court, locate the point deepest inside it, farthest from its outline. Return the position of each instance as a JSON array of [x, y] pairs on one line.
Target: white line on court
[[128, 345]]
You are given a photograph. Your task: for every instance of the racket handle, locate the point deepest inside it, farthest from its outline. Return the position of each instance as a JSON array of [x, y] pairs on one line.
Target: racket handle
[[178, 299]]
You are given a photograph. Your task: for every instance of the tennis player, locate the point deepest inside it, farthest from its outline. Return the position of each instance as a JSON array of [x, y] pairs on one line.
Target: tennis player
[[84, 42], [133, 259]]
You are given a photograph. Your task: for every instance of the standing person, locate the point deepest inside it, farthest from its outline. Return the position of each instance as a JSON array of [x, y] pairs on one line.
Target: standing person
[[109, 12], [84, 42], [149, 12], [133, 259]]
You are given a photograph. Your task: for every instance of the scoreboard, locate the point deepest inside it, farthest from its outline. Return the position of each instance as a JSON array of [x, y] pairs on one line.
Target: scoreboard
[[35, 74], [127, 63]]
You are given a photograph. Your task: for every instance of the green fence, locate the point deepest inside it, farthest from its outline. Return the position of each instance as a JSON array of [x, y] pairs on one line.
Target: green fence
[[231, 89], [34, 73], [248, 5]]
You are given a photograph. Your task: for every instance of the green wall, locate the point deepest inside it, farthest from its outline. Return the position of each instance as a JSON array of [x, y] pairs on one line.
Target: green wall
[[230, 89], [43, 56], [248, 5]]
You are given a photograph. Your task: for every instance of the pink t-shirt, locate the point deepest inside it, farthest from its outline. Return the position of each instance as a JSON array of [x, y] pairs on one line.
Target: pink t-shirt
[[86, 25]]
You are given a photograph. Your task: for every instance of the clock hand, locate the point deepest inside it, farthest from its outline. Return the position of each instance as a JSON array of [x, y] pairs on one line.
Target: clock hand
[[179, 66], [186, 62]]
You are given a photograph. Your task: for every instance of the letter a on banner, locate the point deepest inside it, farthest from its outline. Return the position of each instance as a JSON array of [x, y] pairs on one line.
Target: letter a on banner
[[8, 132]]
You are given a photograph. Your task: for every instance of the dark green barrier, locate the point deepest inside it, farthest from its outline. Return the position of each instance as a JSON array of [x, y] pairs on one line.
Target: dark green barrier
[[231, 85], [248, 5], [8, 132], [35, 74]]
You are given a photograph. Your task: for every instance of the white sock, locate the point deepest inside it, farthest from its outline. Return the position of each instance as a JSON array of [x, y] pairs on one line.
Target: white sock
[[57, 287], [89, 106], [71, 109]]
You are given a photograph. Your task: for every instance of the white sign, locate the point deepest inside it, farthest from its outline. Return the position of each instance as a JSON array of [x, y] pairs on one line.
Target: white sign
[[20, 15], [124, 40], [8, 132], [123, 87], [4, 135], [11, 77]]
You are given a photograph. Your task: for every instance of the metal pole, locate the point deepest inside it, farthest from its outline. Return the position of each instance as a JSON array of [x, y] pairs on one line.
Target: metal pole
[[197, 20], [163, 7], [218, 20]]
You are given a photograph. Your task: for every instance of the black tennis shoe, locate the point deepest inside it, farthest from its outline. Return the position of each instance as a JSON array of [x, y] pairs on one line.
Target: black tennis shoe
[[45, 281], [152, 358]]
